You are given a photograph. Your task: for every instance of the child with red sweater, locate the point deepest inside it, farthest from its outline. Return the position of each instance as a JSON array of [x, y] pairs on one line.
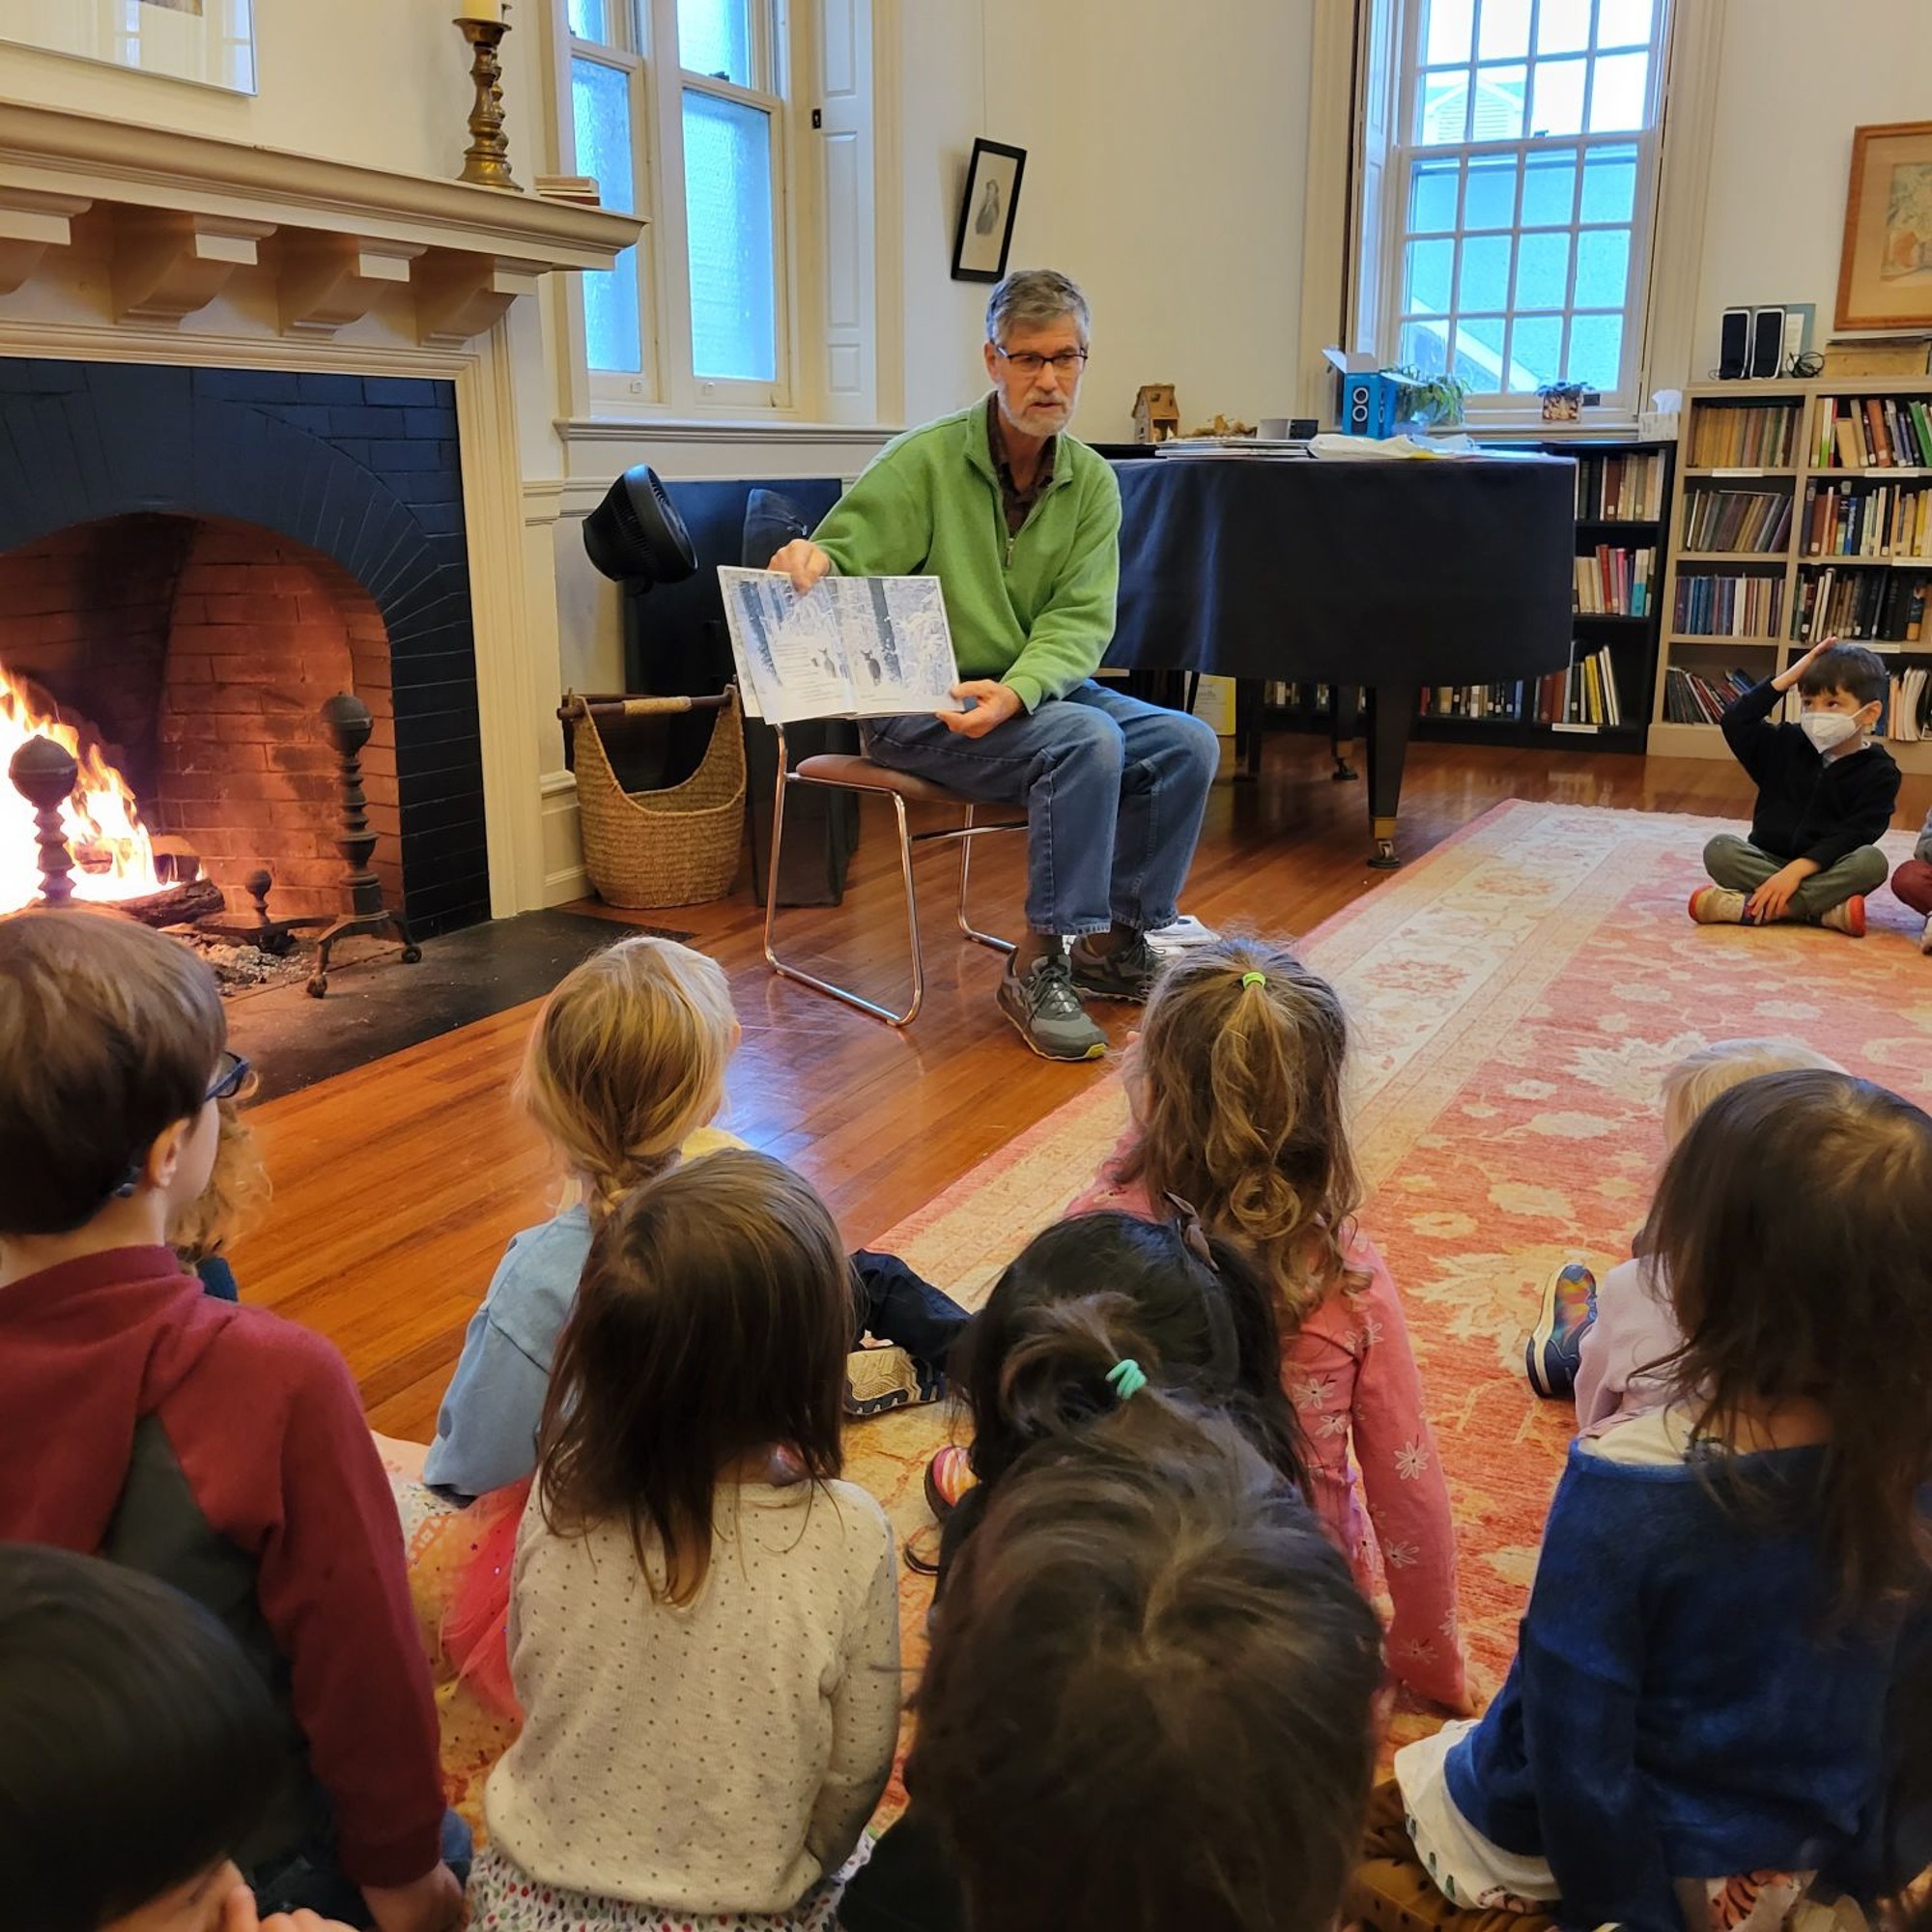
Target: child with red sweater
[[218, 1448]]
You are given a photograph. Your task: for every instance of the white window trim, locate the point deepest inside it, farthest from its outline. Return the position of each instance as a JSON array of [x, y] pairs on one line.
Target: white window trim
[[806, 400], [1332, 282]]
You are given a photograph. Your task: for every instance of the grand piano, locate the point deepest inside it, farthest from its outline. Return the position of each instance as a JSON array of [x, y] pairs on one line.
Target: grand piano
[[1387, 575]]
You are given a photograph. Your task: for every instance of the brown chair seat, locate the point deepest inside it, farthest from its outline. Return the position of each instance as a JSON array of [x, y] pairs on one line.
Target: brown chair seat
[[844, 768]]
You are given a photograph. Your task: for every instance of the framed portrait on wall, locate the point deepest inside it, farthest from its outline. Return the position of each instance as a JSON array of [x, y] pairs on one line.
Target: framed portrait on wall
[[208, 41], [1885, 273], [986, 212]]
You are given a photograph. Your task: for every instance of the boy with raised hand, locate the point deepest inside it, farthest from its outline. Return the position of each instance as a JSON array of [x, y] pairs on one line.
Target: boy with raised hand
[[1825, 795], [1913, 881], [215, 1447]]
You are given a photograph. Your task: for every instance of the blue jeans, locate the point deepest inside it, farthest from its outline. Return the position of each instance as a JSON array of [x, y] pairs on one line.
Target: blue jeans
[[1114, 790], [310, 1878]]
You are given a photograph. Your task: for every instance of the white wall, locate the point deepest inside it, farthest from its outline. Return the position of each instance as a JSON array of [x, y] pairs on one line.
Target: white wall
[[1792, 85], [381, 82]]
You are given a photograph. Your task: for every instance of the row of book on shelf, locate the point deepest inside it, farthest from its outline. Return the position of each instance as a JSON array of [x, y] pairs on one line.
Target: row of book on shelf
[[1841, 520], [1872, 433], [1729, 606], [1615, 583], [1870, 606], [1624, 488], [1701, 698], [1757, 436], [1582, 697], [1737, 520]]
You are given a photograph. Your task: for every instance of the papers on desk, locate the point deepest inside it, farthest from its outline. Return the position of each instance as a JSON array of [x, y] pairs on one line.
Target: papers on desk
[[1274, 447], [1391, 448], [850, 647]]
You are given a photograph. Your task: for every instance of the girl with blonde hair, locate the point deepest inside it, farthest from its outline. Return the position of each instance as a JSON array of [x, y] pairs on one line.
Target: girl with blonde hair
[[1234, 1085], [624, 1070]]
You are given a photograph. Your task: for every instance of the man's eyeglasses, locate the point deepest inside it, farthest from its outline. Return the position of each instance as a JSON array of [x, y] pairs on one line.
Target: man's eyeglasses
[[1068, 362]]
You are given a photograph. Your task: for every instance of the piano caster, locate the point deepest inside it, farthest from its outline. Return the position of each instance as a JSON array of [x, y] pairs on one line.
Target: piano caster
[[1344, 770], [1384, 858]]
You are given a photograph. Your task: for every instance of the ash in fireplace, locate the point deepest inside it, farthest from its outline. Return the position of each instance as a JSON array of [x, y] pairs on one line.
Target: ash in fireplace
[[240, 968]]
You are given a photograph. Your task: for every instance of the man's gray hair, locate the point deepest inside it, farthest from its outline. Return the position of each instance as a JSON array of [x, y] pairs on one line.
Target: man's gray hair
[[1033, 298]]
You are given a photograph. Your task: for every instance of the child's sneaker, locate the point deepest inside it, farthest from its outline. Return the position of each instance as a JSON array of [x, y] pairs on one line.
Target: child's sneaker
[[948, 1478], [1718, 905], [880, 1380], [1551, 1355], [1848, 918]]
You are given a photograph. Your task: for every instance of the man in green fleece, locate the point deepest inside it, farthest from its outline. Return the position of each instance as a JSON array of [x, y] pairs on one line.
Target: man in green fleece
[[1021, 524]]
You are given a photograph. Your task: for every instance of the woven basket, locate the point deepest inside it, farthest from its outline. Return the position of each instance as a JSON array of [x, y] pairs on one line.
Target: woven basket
[[660, 848]]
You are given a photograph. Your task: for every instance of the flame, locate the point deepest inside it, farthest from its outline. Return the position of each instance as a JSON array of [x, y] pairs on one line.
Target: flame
[[113, 857]]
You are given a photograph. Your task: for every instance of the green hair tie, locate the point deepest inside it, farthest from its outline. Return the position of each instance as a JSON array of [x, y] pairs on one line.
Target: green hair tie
[[1126, 1378], [1252, 978]]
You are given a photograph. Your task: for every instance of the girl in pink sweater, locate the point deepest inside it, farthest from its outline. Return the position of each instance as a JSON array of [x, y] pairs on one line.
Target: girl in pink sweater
[[1235, 1089]]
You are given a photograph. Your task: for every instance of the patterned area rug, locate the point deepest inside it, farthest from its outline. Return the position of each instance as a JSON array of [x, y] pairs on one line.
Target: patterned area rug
[[1516, 996]]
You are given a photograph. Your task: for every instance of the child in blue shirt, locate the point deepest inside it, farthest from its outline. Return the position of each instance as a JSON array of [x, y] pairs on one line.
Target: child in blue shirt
[[1697, 1708]]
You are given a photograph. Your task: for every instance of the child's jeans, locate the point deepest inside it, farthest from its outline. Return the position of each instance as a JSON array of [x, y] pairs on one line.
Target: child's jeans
[[1913, 883], [1741, 866]]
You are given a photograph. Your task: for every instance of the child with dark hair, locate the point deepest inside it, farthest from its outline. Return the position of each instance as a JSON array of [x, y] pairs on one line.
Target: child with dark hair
[[215, 1447], [1913, 881], [703, 1620], [1148, 1704], [1092, 1311], [1825, 796], [138, 1751], [1695, 1727], [1236, 1091]]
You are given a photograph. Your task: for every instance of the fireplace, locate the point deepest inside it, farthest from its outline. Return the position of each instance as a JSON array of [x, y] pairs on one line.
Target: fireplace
[[193, 560]]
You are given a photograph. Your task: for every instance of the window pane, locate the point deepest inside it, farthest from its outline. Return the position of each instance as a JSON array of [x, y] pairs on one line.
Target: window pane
[[1504, 34], [1603, 267], [1609, 185], [1479, 352], [1443, 108], [1559, 97], [1542, 272], [600, 102], [1596, 344], [1433, 187], [1423, 347], [1548, 189], [1617, 95], [1497, 114], [1445, 32], [1486, 273], [727, 198], [1490, 200], [1429, 272], [1536, 352], [1622, 23], [1563, 26], [587, 21], [714, 37]]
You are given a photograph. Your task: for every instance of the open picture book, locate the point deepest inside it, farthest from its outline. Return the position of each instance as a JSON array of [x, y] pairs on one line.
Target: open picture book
[[850, 647]]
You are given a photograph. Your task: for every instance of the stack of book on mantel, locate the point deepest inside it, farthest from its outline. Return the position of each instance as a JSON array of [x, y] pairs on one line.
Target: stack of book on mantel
[[580, 188]]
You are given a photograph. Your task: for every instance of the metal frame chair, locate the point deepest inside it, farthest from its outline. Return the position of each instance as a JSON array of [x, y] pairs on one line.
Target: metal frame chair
[[850, 773]]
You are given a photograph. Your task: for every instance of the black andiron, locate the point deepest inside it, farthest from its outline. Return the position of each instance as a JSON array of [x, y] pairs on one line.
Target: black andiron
[[45, 774]]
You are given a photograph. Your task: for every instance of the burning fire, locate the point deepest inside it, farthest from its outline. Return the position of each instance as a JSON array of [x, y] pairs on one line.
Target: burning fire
[[113, 858]]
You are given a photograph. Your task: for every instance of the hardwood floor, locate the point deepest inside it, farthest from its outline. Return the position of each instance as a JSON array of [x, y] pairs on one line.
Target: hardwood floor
[[398, 1185]]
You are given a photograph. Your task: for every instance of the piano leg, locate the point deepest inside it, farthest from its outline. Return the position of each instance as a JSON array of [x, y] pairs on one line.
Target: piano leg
[[1343, 709], [1391, 714], [1249, 692]]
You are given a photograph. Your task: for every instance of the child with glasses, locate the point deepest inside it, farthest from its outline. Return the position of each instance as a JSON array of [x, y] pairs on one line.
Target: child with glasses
[[218, 1448]]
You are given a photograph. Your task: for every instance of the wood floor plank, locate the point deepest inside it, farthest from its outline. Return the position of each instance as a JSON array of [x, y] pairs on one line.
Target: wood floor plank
[[398, 1185]]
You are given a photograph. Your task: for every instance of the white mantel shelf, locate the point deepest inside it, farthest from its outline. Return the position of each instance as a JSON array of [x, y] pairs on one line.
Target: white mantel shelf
[[188, 209]]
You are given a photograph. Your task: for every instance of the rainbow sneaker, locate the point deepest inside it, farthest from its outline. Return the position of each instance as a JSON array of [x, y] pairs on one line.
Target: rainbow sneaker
[[948, 1478], [1551, 1355]]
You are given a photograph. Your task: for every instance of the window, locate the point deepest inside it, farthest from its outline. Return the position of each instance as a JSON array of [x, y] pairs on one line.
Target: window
[[1518, 188], [696, 313]]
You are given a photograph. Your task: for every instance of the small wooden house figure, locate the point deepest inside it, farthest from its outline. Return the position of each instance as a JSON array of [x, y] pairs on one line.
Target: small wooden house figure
[[1156, 415]]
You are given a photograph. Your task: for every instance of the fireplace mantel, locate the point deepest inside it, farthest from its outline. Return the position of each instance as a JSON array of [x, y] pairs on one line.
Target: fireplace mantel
[[185, 212]]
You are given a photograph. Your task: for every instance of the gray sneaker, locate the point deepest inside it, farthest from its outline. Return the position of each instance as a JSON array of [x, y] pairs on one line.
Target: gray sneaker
[[1126, 973], [1042, 1004]]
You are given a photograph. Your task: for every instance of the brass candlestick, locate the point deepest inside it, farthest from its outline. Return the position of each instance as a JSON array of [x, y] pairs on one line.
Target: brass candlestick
[[486, 161]]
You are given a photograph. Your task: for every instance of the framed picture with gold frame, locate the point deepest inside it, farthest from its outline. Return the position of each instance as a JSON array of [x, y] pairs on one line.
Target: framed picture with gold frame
[[208, 41], [1884, 272]]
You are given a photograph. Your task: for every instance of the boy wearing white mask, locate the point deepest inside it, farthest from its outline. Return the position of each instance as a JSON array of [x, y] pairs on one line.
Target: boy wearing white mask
[[1825, 795]]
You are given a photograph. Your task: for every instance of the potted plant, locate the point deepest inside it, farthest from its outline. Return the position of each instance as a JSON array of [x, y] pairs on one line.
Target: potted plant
[[1562, 402], [1430, 402]]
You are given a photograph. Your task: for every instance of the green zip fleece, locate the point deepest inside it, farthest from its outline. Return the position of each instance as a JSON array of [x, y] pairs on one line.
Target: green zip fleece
[[1034, 610]]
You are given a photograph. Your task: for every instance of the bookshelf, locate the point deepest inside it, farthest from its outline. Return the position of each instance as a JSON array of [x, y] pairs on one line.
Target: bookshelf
[[1802, 507], [1602, 702]]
